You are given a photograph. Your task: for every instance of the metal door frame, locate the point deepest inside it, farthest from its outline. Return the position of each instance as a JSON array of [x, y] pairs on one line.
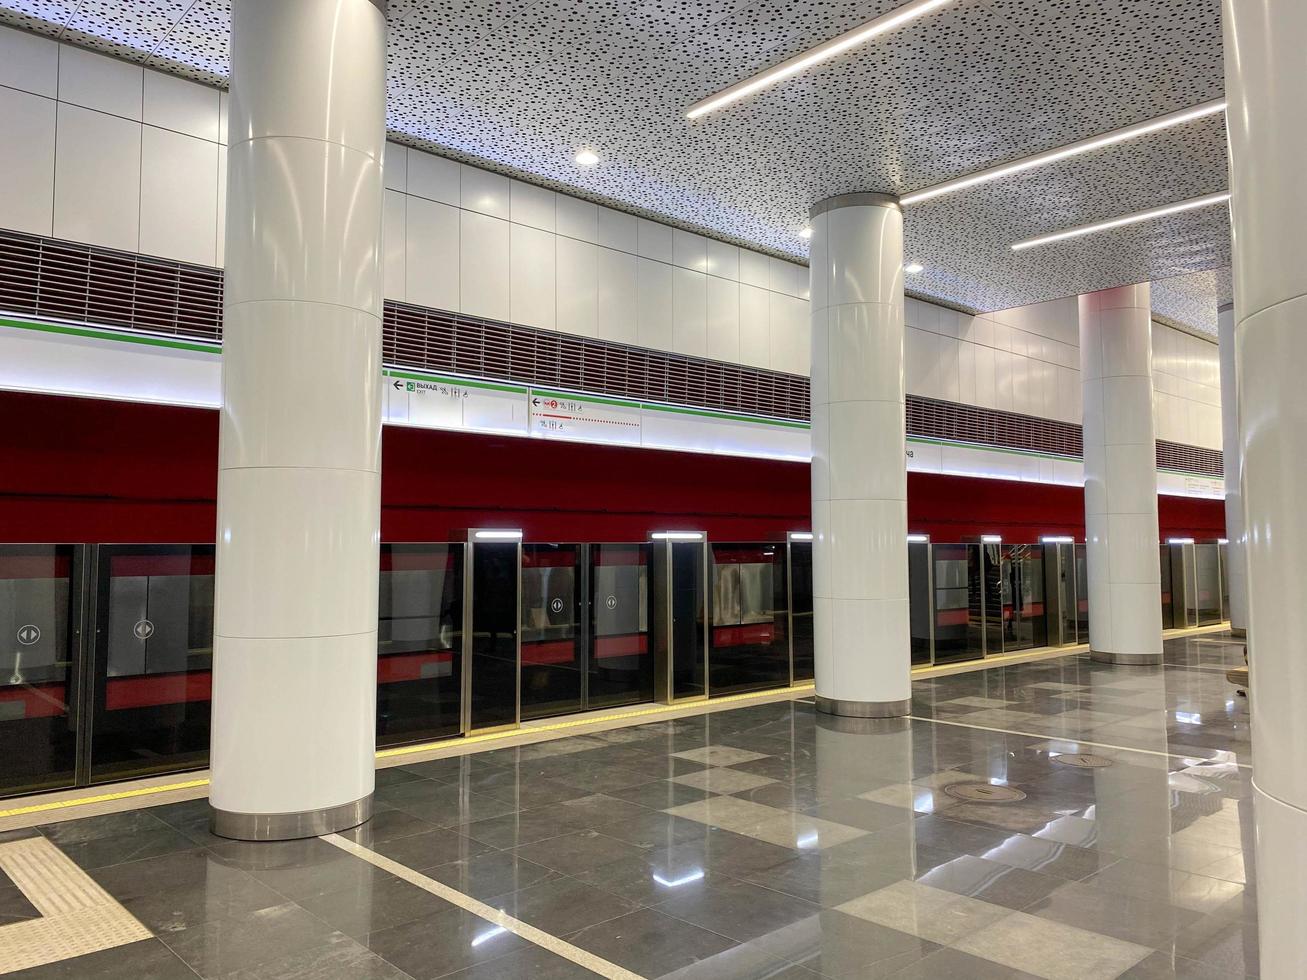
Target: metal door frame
[[664, 649], [465, 680]]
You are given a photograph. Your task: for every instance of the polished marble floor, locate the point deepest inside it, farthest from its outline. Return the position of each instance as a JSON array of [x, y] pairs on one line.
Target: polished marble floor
[[761, 841]]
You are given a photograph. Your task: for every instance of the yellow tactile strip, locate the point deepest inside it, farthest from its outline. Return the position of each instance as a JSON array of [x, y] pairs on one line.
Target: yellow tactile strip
[[559, 947], [77, 915]]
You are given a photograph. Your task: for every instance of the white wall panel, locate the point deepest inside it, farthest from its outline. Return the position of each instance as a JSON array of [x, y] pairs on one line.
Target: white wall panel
[[689, 312], [755, 324], [755, 269], [618, 290], [791, 330], [27, 123], [723, 313], [654, 240], [689, 251], [484, 192], [393, 240], [577, 218], [723, 260], [433, 253], [532, 205], [434, 178], [95, 81], [654, 303], [483, 265], [395, 166], [29, 63], [97, 183], [180, 105], [220, 235], [532, 277], [616, 230], [578, 285], [179, 196]]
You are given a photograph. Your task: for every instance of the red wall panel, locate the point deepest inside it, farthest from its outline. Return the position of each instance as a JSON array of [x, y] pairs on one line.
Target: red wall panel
[[74, 469]]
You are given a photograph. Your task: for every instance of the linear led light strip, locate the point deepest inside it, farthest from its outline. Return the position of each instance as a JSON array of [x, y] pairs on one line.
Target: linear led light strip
[[829, 49], [1070, 150], [1129, 219]]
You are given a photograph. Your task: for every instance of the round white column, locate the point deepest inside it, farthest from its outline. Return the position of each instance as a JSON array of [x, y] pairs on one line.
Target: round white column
[[299, 476], [1120, 452], [859, 471], [1266, 85], [1236, 570]]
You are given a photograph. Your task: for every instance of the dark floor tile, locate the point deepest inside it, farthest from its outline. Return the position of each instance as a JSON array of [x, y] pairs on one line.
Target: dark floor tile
[[487, 876], [659, 795], [515, 829], [145, 960], [650, 943], [531, 963], [222, 893], [1049, 857], [373, 906], [108, 825], [644, 883], [302, 868], [741, 962], [338, 958], [561, 906], [14, 905], [248, 940], [431, 848], [524, 793], [989, 881], [595, 810], [863, 814], [196, 868], [440, 944], [104, 852], [652, 829], [828, 880], [393, 776], [387, 825], [1218, 941], [1168, 966], [443, 804], [583, 850], [738, 909]]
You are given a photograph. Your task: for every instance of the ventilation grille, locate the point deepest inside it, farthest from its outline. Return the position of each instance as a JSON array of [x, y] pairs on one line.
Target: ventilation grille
[[46, 277], [1189, 459], [929, 418], [415, 336], [64, 280]]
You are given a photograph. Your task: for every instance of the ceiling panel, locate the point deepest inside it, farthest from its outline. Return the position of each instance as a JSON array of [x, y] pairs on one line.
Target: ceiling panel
[[520, 85]]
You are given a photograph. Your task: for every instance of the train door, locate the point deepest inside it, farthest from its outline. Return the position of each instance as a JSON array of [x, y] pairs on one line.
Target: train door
[[799, 579], [749, 647], [492, 614], [958, 623], [620, 669], [679, 598]]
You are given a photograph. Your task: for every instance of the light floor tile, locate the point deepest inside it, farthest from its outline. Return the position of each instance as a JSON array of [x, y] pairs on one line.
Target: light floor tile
[[719, 780], [1051, 949], [975, 701], [922, 799], [718, 755], [927, 913], [784, 828]]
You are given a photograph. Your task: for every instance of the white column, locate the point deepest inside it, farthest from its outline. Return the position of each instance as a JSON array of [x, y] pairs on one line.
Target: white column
[[1266, 85], [1236, 570], [295, 647], [1116, 372], [859, 474]]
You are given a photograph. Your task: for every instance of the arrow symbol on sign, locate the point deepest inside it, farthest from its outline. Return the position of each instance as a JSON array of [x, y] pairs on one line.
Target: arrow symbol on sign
[[535, 402], [397, 386]]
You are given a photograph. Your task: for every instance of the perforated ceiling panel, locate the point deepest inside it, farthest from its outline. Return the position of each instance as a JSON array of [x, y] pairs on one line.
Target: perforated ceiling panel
[[520, 86], [1192, 300]]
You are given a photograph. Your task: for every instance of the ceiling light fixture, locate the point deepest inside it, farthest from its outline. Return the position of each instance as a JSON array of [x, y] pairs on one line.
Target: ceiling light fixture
[[1129, 219], [805, 233], [587, 158], [828, 49], [1070, 150], [912, 268]]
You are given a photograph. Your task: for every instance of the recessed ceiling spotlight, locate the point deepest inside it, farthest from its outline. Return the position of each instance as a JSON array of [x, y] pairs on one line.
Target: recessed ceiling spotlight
[[1129, 219], [1070, 150], [805, 233], [828, 49], [587, 158], [912, 268]]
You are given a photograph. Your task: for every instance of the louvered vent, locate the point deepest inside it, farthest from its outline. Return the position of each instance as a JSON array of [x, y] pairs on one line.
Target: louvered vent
[[46, 277]]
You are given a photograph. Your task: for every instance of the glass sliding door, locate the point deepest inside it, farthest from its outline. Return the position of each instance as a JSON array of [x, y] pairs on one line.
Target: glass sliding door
[[621, 664], [419, 642], [749, 645], [153, 659], [40, 661], [553, 635], [490, 689], [958, 586], [801, 629]]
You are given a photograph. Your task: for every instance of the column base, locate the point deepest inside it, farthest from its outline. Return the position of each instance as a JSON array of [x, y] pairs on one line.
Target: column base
[[864, 709], [1281, 850], [1126, 659], [1239, 632], [290, 826]]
